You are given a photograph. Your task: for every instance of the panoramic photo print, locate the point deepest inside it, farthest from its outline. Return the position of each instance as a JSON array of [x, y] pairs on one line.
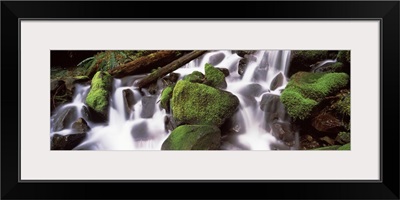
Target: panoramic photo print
[[200, 100]]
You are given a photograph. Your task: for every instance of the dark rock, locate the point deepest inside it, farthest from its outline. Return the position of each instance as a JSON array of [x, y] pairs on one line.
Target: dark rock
[[129, 101], [55, 84], [169, 123], [153, 88], [148, 106], [80, 126], [66, 142], [224, 70], [283, 131], [216, 58], [243, 53], [172, 78], [64, 118], [277, 81], [327, 122], [270, 103]]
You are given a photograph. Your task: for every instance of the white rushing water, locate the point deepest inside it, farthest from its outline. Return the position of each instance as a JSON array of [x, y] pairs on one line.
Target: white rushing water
[[142, 126]]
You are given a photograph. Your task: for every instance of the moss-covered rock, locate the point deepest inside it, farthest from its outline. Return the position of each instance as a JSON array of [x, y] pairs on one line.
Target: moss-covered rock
[[98, 97], [305, 90], [195, 103], [193, 137], [166, 96], [343, 105], [214, 77], [195, 77], [343, 137], [345, 147]]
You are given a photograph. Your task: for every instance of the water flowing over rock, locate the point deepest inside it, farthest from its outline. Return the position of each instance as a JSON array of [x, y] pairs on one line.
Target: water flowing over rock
[[243, 108], [193, 137], [64, 118]]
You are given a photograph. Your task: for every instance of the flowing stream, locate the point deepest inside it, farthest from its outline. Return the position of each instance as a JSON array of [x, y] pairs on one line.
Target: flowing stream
[[261, 122]]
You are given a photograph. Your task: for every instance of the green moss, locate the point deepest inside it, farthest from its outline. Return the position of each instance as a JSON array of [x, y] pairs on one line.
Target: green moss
[[297, 106], [98, 96], [343, 105], [195, 77], [305, 90], [345, 147], [166, 96], [195, 103], [333, 147], [81, 77], [343, 56], [214, 76], [193, 137]]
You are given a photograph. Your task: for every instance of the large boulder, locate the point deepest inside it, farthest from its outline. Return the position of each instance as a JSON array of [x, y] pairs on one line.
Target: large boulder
[[193, 137], [305, 90], [195, 103], [98, 97]]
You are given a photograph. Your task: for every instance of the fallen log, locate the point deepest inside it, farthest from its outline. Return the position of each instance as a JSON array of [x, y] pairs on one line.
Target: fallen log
[[146, 63], [159, 73]]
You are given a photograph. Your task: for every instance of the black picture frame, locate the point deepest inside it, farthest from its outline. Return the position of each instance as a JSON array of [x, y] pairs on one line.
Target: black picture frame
[[386, 11]]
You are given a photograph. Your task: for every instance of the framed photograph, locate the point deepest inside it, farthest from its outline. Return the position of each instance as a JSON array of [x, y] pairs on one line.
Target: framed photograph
[[299, 98]]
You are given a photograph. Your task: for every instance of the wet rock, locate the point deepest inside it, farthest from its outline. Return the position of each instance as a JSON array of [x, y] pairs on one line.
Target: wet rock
[[243, 53], [66, 142], [193, 137], [148, 106], [326, 122], [224, 70], [253, 90], [270, 103], [64, 118], [216, 58], [277, 81], [195, 103], [284, 132], [244, 62], [169, 123], [129, 101], [140, 132], [233, 125], [80, 126]]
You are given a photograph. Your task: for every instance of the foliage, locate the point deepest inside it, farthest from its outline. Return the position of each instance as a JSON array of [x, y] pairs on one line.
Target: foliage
[[345, 147]]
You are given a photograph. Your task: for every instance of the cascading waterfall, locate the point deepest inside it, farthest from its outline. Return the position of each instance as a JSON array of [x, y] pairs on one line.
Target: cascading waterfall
[[139, 124]]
